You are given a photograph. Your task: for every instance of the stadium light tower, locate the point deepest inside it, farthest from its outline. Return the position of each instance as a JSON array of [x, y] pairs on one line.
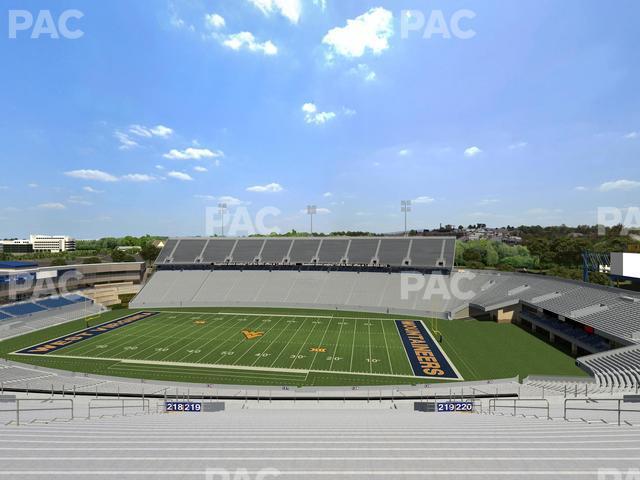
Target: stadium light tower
[[222, 209], [405, 207], [311, 210]]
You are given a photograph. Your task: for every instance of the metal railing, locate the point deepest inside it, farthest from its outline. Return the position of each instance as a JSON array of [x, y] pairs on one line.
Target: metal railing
[[122, 405], [515, 404], [618, 410], [50, 405]]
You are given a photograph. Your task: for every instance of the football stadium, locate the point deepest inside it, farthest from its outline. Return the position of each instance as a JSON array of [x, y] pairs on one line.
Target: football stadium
[[320, 239], [356, 338]]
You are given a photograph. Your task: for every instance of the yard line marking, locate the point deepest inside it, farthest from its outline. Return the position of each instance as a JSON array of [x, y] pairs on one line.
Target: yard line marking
[[303, 344], [272, 342], [321, 342], [370, 354], [287, 345], [223, 328], [155, 344], [226, 341], [256, 342], [196, 333], [353, 345], [386, 345], [333, 357]]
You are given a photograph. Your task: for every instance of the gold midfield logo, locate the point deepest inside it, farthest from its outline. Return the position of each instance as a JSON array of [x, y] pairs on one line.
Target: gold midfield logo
[[318, 350], [199, 322], [250, 335]]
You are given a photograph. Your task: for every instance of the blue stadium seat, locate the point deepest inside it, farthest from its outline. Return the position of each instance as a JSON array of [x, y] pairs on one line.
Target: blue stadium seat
[[54, 302], [23, 309]]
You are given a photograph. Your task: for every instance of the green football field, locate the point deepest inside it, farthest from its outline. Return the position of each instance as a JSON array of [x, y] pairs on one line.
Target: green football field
[[276, 347]]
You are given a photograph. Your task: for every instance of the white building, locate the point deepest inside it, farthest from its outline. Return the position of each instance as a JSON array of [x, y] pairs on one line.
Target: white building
[[52, 243]]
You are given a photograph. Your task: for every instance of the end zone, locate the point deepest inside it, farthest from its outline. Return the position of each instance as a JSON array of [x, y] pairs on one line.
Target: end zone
[[91, 332], [426, 357]]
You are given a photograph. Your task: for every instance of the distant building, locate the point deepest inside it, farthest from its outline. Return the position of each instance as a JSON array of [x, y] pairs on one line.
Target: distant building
[[52, 243], [39, 243], [16, 246]]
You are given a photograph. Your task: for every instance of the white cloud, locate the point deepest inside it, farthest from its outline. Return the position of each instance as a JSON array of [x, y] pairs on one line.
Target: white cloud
[[125, 141], [185, 177], [313, 116], [232, 201], [291, 9], [192, 154], [327, 194], [472, 152], [79, 200], [518, 145], [362, 70], [269, 188], [369, 31], [97, 175], [423, 200], [159, 167], [632, 135], [405, 152], [138, 177], [488, 201], [208, 198], [52, 206], [91, 190], [238, 41], [619, 185], [33, 185], [148, 132], [200, 169], [580, 188], [176, 21], [213, 20]]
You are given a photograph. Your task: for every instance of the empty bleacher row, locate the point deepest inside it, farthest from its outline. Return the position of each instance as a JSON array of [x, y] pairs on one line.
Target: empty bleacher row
[[618, 368], [417, 252], [317, 444], [366, 291]]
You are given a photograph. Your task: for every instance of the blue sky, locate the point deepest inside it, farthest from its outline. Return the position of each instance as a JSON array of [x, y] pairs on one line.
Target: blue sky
[[162, 108]]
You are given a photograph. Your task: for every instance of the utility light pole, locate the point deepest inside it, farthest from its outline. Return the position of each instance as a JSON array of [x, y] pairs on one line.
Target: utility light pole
[[405, 207], [222, 209], [311, 210]]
